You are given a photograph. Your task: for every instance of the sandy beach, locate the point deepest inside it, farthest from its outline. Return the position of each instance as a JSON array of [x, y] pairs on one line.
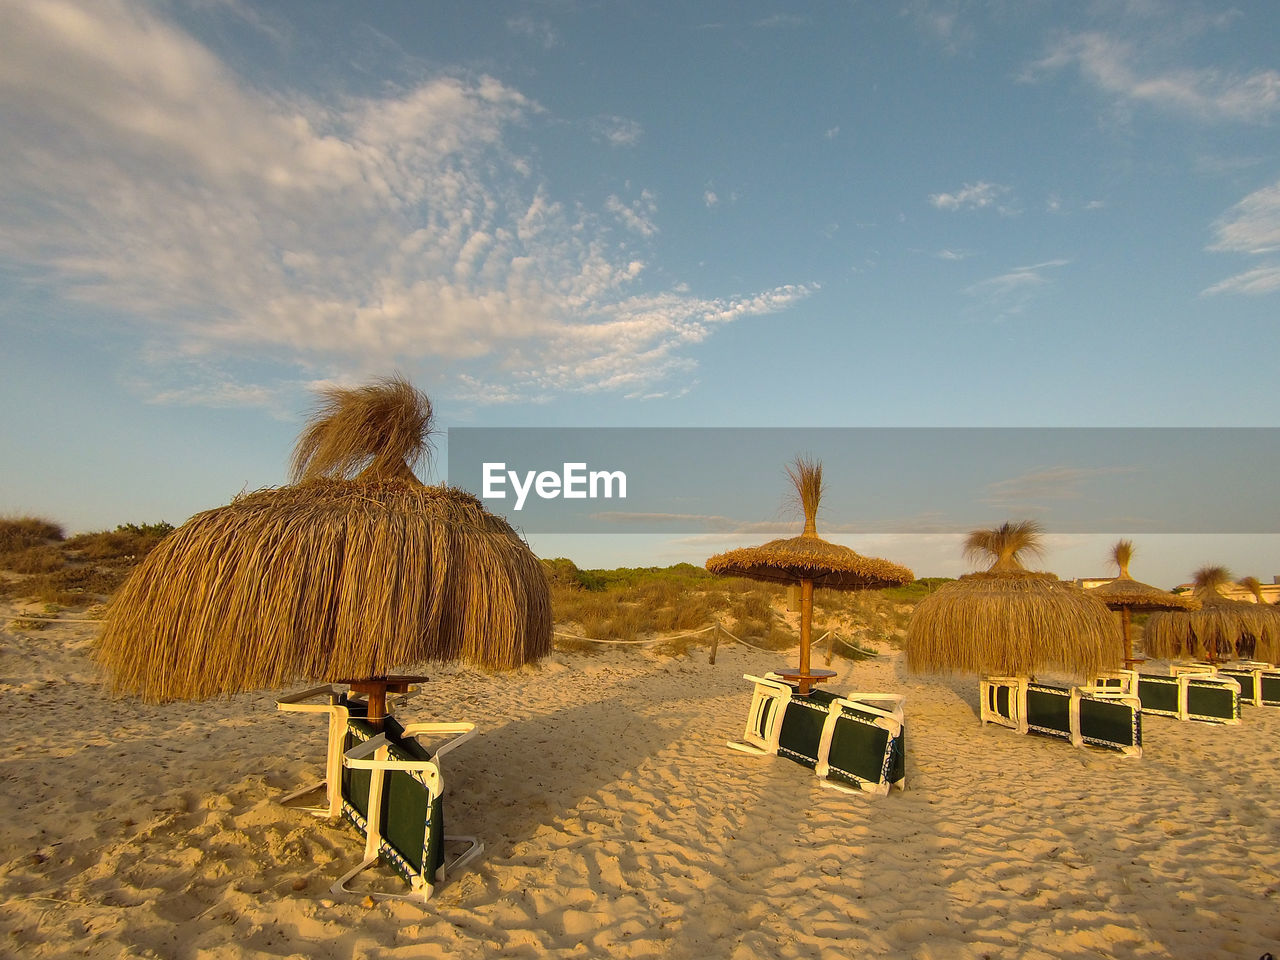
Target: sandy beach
[[616, 823]]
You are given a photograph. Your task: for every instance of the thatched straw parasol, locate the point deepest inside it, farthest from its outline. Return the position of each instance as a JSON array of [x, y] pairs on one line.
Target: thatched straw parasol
[[1010, 621], [1220, 630], [353, 571], [810, 561], [1128, 595], [1268, 646]]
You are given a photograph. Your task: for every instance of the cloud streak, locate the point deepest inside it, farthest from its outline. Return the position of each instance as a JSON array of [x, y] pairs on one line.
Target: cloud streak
[[1010, 293], [1251, 227], [145, 177], [1114, 66], [975, 196]]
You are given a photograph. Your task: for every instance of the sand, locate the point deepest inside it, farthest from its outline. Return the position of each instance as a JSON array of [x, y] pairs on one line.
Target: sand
[[616, 823]]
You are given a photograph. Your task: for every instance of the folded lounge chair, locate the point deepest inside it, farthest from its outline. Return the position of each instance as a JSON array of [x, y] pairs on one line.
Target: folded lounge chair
[[1103, 714], [404, 824], [1191, 691], [854, 743], [392, 792]]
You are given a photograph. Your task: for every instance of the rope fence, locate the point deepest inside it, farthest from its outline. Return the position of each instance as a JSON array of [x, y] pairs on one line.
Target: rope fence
[[830, 636]]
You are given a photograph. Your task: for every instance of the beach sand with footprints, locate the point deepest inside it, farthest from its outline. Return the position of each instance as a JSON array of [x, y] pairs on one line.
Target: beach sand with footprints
[[616, 823]]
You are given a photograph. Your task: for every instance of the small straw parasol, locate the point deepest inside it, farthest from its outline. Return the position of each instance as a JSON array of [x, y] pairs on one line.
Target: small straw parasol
[[1010, 621], [1127, 595], [811, 562], [355, 569], [1221, 629]]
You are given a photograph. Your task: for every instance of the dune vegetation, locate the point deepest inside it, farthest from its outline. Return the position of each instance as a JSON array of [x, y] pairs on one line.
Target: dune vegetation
[[40, 565]]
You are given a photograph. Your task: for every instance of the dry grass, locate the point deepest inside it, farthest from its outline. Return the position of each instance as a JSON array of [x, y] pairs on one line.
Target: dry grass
[[129, 542], [72, 572], [21, 533], [42, 559]]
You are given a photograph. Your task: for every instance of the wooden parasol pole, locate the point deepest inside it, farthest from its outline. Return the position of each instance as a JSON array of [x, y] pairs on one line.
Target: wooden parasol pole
[[806, 631]]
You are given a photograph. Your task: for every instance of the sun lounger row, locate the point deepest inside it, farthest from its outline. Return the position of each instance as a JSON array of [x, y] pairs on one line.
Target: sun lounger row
[[855, 743], [1191, 692], [1095, 715], [1259, 682]]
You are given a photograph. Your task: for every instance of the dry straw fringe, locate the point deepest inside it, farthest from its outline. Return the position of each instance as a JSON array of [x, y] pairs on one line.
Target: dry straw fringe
[[1220, 629], [1012, 626], [328, 580]]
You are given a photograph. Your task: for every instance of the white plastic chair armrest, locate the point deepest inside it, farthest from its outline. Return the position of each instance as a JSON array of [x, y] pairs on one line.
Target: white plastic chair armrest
[[292, 702], [462, 731], [773, 681], [355, 757]]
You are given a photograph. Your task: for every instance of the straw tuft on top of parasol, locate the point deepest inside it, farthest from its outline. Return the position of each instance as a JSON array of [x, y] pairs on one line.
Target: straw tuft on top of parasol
[[1010, 621], [354, 570]]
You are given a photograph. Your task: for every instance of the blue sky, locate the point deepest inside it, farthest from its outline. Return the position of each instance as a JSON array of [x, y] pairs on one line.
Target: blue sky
[[652, 214]]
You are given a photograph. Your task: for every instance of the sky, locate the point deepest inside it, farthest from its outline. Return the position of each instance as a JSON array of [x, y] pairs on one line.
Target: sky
[[929, 213]]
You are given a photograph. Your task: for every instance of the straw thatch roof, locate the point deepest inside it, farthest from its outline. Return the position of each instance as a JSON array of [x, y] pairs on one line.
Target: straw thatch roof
[[1268, 643], [808, 556], [1009, 621], [1125, 592], [1220, 629], [355, 570]]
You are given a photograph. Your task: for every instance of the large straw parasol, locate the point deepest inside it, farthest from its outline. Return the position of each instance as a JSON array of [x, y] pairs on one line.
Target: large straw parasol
[[353, 571], [1220, 629], [810, 561], [1268, 647], [1128, 595], [1010, 621]]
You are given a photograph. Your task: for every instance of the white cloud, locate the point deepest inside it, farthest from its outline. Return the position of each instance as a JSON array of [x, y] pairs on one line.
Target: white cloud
[[617, 131], [1048, 484], [975, 196], [940, 20], [142, 176], [1253, 224], [1011, 292], [953, 255], [637, 216], [540, 31], [1251, 227], [1115, 67], [832, 132], [1259, 280], [710, 198]]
